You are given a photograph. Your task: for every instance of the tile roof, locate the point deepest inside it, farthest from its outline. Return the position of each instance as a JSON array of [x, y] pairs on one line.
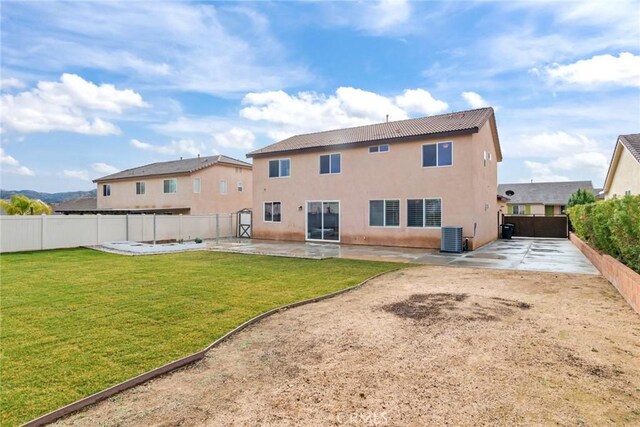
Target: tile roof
[[451, 123], [632, 142], [174, 167], [81, 204], [548, 193]]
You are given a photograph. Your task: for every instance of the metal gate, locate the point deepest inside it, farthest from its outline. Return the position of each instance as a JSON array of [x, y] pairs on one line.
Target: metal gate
[[538, 226], [244, 223]]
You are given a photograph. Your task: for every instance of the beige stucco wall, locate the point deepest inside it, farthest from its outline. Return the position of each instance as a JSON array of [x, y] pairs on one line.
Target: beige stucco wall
[[626, 175], [208, 201], [465, 188]]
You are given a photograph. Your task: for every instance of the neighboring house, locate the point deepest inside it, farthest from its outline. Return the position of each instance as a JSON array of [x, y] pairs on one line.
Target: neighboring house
[[202, 185], [76, 206], [624, 170], [540, 198], [394, 183]]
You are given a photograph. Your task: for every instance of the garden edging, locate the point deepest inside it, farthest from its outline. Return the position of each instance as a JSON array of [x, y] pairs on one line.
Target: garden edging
[[624, 279], [180, 363]]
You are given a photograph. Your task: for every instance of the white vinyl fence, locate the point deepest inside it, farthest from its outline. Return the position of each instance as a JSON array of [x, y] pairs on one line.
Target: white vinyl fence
[[29, 233]]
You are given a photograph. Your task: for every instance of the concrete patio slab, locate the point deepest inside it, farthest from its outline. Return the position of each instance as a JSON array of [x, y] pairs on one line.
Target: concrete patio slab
[[550, 255]]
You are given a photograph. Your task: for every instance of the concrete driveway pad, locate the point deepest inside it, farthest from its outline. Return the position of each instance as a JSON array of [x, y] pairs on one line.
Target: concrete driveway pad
[[525, 254]]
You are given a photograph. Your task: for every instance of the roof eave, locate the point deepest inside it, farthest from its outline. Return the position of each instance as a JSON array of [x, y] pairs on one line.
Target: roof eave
[[128, 178], [257, 154]]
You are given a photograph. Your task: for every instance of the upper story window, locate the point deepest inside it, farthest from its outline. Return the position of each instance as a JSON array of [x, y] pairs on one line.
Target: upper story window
[[240, 187], [487, 157], [197, 185], [279, 168], [106, 190], [140, 188], [440, 154], [170, 186], [379, 148], [223, 186], [330, 163]]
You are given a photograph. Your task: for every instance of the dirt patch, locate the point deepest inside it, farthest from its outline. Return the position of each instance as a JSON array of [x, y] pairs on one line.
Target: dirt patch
[[424, 346], [453, 307]]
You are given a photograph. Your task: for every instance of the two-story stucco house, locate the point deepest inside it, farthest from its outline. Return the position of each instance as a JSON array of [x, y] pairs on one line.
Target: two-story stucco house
[[623, 177], [394, 183], [198, 186]]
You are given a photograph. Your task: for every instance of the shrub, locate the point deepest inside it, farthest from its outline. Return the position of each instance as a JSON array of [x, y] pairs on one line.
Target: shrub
[[581, 197], [612, 226]]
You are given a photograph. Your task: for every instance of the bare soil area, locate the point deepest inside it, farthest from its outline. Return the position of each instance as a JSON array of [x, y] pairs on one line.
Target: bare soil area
[[422, 346]]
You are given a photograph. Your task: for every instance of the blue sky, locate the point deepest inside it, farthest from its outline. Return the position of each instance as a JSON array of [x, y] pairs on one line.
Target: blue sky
[[89, 88]]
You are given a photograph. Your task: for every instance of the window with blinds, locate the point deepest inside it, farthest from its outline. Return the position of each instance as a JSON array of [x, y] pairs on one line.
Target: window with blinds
[[424, 212], [384, 213]]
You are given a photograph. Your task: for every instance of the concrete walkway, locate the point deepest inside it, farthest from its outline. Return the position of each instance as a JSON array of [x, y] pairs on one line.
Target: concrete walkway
[[550, 255]]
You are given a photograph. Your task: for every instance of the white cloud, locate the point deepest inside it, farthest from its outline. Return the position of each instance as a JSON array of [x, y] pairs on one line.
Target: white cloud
[[236, 138], [77, 174], [206, 48], [310, 111], [474, 100], [420, 101], [182, 146], [11, 83], [104, 168], [384, 15], [70, 105], [623, 70], [555, 144], [573, 155], [13, 166], [6, 159]]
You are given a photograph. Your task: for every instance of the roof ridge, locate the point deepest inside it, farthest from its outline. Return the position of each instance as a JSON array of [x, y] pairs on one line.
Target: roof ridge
[[388, 123]]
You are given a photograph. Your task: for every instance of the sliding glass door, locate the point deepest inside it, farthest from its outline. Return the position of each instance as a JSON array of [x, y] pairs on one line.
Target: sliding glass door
[[323, 221]]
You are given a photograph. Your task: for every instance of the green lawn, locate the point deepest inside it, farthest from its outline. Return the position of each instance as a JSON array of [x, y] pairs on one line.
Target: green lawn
[[77, 321]]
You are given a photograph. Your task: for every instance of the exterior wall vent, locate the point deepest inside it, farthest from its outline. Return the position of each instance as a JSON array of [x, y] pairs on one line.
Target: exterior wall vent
[[451, 240]]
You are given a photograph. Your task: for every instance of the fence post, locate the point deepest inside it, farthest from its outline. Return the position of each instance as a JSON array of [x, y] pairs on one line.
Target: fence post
[[42, 231], [217, 227], [154, 229], [126, 231], [231, 233], [180, 227], [97, 229], [142, 227]]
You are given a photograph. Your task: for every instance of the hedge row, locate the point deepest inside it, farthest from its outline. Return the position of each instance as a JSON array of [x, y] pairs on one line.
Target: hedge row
[[612, 226]]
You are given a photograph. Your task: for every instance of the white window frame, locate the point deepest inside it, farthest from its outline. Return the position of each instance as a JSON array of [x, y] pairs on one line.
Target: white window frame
[[424, 213], [518, 209], [329, 173], [106, 190], [377, 149], [437, 165], [176, 187], [279, 168], [199, 186], [239, 187], [306, 220], [141, 185], [264, 210], [384, 213], [222, 186]]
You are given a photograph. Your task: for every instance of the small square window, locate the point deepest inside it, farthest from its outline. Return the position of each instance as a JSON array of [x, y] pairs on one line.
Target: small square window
[[170, 186], [279, 168], [330, 163], [240, 187], [140, 188], [440, 154], [272, 212]]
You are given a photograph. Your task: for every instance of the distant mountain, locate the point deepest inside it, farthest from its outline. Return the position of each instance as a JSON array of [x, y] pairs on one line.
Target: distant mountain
[[48, 197]]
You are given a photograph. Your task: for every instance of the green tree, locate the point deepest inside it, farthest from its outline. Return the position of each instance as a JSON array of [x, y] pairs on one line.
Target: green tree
[[22, 205], [581, 197]]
